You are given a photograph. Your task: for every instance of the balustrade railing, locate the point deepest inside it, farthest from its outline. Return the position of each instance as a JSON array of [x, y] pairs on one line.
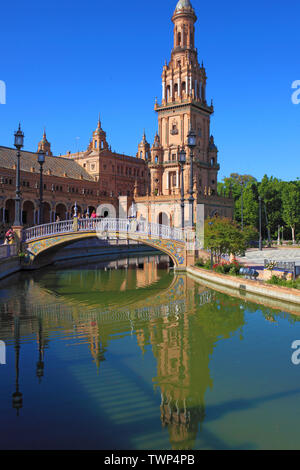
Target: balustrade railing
[[8, 250], [133, 226]]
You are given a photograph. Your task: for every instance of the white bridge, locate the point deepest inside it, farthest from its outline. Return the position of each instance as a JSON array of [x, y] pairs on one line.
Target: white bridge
[[170, 240]]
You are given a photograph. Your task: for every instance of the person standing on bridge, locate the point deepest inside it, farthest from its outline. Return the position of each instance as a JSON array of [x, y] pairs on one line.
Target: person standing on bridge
[[9, 237]]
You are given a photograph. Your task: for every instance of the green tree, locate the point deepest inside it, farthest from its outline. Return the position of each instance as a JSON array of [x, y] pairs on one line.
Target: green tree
[[270, 190], [232, 184], [291, 206], [223, 236], [250, 205]]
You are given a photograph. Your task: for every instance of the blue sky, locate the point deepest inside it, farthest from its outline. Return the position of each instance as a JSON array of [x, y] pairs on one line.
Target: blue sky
[[64, 62]]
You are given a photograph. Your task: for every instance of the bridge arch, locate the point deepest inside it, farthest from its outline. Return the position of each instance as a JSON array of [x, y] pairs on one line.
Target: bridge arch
[[38, 240]]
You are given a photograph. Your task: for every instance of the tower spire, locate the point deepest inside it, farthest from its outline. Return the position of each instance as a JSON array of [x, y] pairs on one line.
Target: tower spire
[[45, 145]]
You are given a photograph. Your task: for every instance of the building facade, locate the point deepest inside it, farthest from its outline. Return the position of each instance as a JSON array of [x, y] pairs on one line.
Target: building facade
[[96, 177], [64, 184], [116, 174]]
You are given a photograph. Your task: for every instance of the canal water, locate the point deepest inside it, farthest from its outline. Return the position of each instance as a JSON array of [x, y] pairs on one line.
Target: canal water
[[129, 355]]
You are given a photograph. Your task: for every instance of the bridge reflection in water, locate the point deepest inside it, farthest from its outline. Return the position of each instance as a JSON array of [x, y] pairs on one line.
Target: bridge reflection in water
[[180, 320]]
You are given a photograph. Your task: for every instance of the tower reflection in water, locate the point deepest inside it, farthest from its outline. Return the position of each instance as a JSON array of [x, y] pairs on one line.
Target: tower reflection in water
[[179, 319]]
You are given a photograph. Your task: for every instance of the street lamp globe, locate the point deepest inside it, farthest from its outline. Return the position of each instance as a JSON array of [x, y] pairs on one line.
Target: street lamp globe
[[191, 139], [41, 157], [182, 156], [19, 138]]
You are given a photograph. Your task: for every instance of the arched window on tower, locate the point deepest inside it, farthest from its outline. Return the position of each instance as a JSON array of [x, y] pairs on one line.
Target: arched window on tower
[[192, 39], [183, 86], [168, 92], [178, 39], [156, 159], [184, 39], [176, 89], [96, 144]]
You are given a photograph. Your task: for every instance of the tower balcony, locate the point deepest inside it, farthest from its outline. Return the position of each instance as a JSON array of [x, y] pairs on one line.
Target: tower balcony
[[179, 49], [177, 102]]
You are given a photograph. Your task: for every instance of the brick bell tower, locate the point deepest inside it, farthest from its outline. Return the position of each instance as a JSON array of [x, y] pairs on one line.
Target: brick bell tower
[[45, 145], [183, 106]]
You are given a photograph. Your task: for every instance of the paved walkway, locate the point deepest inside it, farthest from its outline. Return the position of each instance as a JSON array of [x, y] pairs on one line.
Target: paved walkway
[[256, 257]]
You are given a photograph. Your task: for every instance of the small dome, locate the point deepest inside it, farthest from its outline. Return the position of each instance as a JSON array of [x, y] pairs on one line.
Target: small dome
[[184, 5]]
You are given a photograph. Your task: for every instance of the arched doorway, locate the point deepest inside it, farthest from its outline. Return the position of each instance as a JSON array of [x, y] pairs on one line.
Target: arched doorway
[[60, 211], [91, 209], [9, 211], [163, 219], [28, 213], [46, 213]]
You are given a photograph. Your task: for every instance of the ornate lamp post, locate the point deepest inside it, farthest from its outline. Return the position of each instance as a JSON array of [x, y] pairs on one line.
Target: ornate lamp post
[[191, 144], [19, 143], [182, 161], [41, 160]]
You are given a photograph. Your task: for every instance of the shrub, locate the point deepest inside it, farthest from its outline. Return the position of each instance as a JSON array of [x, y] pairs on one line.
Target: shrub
[[201, 263], [232, 271], [278, 281], [227, 268], [219, 268]]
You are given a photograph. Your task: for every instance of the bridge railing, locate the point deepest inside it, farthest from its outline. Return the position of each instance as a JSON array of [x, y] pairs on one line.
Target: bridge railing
[[41, 231], [102, 226], [8, 250]]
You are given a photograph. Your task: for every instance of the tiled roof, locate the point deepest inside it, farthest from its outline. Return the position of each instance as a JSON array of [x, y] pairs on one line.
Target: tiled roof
[[58, 166]]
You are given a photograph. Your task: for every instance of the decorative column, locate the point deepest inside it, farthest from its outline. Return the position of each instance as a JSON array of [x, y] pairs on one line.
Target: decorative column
[[163, 90]]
